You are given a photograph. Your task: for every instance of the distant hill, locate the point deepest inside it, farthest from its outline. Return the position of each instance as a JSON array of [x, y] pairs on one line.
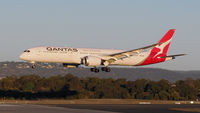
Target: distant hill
[[46, 70]]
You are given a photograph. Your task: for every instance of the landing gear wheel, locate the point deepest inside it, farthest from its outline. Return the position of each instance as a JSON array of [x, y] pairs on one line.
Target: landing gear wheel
[[33, 66], [94, 70], [108, 69], [103, 69]]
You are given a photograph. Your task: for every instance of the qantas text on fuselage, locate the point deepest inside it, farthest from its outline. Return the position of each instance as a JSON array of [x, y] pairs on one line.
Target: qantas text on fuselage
[[102, 58]]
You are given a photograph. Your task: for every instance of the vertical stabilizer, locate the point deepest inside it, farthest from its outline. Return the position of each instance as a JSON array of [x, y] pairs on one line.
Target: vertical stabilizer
[[166, 41], [158, 52]]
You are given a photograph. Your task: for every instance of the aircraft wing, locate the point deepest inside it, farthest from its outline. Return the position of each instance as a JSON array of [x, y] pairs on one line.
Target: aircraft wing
[[126, 54]]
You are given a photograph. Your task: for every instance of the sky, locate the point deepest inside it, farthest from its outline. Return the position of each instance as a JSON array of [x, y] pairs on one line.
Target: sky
[[114, 24]]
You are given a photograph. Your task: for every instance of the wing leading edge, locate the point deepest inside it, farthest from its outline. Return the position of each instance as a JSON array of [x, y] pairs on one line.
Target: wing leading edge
[[127, 54]]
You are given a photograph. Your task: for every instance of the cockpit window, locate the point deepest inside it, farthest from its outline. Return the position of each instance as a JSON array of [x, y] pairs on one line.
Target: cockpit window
[[27, 51]]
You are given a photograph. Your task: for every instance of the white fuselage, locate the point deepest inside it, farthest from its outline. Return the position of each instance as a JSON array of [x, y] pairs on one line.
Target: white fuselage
[[75, 55]]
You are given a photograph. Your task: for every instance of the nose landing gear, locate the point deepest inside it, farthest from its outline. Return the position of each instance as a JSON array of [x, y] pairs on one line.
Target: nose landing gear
[[33, 65]]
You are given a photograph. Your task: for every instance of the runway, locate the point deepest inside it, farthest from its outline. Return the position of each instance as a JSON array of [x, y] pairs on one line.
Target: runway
[[70, 108], [153, 108], [28, 108]]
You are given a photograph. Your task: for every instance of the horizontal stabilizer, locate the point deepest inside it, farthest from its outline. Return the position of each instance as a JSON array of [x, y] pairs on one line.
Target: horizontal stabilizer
[[173, 56]]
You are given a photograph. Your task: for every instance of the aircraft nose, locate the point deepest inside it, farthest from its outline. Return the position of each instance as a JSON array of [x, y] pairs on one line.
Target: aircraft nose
[[22, 56]]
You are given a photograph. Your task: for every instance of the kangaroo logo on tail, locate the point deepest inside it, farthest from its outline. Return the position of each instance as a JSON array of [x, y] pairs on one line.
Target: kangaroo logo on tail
[[162, 47], [161, 50]]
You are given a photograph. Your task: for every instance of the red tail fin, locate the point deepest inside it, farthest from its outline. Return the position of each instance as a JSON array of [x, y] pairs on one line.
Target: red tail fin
[[160, 50], [167, 36]]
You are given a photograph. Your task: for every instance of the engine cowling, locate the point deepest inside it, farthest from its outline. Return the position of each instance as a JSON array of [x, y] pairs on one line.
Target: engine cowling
[[92, 61]]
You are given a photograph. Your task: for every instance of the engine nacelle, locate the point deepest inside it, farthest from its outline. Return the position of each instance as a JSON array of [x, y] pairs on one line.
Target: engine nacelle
[[92, 61]]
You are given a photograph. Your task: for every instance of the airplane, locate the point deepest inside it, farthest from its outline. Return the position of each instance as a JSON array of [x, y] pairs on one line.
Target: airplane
[[97, 59]]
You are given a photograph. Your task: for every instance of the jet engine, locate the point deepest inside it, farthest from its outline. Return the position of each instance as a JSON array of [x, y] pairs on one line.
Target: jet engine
[[92, 61]]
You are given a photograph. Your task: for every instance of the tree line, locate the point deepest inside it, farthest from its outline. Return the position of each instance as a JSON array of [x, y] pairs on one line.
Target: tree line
[[72, 87]]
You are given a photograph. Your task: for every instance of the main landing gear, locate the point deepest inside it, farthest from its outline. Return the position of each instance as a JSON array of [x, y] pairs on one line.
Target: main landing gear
[[106, 69], [96, 70]]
